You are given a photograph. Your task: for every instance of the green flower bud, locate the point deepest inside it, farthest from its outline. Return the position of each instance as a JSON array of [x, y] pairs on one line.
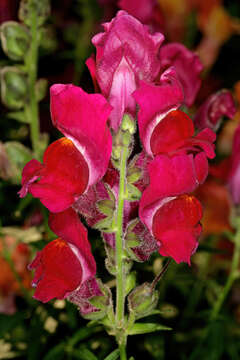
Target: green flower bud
[[142, 300], [34, 10], [128, 124], [14, 87], [15, 40], [130, 282], [41, 89]]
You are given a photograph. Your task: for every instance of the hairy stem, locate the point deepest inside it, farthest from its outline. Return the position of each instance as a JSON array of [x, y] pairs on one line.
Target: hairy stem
[[120, 276], [232, 277]]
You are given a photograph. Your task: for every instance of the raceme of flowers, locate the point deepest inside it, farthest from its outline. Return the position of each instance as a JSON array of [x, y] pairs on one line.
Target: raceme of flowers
[[135, 77]]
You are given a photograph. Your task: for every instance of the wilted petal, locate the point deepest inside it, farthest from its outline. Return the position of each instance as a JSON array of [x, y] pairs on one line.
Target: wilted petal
[[188, 67], [213, 109], [82, 118]]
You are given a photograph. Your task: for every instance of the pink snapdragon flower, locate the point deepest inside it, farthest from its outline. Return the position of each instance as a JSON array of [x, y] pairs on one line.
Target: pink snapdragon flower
[[187, 65], [233, 179], [66, 263], [126, 53], [213, 109], [74, 163]]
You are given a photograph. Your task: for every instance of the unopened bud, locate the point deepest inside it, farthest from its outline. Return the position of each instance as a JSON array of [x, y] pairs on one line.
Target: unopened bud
[[14, 88], [143, 300], [15, 40], [34, 10], [128, 124], [130, 282]]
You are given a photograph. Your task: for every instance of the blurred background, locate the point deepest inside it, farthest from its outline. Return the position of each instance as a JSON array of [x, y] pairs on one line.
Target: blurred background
[[31, 330]]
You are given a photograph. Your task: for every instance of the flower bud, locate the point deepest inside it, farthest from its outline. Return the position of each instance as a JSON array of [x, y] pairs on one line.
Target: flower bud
[[40, 10], [130, 282], [14, 87], [15, 40], [128, 124], [143, 300]]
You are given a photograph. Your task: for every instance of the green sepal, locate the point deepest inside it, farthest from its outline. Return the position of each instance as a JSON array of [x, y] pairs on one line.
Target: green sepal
[[34, 10], [106, 207], [15, 39], [41, 89], [42, 145], [133, 174], [104, 225], [14, 87], [132, 193], [144, 328], [143, 300], [130, 282]]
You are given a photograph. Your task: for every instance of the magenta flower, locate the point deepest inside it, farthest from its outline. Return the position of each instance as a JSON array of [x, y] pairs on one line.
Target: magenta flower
[[72, 164], [213, 109], [188, 68], [66, 263], [163, 129], [126, 53], [155, 102], [171, 215], [234, 172]]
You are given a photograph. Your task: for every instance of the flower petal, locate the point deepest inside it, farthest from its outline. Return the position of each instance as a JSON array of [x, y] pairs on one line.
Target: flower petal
[[213, 109], [188, 67], [169, 177], [176, 227], [155, 103], [65, 263], [68, 226], [82, 118], [170, 132], [63, 176]]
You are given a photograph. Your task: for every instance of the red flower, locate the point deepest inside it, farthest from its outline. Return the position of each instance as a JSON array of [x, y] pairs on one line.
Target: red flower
[[66, 262], [72, 164], [169, 214]]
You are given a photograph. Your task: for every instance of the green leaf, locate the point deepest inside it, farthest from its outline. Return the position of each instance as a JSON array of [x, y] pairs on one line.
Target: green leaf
[[113, 356], [57, 352], [14, 87], [84, 354], [144, 328]]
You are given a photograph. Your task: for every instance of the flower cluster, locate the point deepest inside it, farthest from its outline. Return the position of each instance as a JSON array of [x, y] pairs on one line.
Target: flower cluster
[[135, 77]]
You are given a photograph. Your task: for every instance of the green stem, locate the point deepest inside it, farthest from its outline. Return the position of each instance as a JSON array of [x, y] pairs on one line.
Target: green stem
[[120, 276], [232, 277], [31, 64], [123, 354]]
